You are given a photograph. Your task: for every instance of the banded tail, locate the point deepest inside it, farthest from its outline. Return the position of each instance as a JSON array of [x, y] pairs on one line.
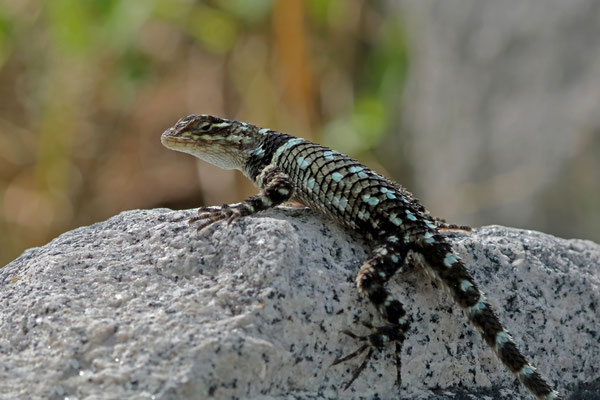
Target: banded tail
[[443, 263]]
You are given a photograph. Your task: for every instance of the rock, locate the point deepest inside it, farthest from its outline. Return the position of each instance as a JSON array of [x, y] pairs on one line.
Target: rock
[[500, 120], [142, 306]]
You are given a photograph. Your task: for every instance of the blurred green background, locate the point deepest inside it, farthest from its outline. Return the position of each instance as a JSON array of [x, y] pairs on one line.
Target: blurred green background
[[87, 87]]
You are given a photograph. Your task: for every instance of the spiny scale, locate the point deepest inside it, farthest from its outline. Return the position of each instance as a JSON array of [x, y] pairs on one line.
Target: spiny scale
[[285, 167]]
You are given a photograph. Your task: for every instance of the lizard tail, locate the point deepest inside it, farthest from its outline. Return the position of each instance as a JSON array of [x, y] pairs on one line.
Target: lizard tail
[[443, 264]]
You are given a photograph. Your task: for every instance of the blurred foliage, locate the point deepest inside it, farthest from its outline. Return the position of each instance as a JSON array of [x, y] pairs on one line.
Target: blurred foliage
[[87, 86]]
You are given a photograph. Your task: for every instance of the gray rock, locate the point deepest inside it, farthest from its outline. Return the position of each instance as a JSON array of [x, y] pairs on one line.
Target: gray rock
[[501, 111], [141, 306]]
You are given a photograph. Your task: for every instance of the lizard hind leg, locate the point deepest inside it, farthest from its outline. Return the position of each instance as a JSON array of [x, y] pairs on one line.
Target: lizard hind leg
[[377, 270], [381, 336]]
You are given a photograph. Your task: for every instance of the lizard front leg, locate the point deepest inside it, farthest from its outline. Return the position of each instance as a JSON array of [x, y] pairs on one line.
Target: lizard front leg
[[276, 188]]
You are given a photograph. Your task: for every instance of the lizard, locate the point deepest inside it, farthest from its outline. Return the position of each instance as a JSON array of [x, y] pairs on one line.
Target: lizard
[[287, 168]]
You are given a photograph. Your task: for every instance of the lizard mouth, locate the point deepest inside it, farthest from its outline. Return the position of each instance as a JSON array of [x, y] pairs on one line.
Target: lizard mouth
[[173, 139], [205, 147]]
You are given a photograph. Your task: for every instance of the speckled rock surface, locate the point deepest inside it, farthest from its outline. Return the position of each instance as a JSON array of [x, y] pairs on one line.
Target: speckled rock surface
[[141, 306]]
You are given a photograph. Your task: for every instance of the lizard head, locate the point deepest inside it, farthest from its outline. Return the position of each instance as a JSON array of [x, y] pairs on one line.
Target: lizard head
[[222, 142]]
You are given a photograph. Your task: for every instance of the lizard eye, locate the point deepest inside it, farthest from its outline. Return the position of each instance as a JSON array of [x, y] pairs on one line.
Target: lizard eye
[[205, 127]]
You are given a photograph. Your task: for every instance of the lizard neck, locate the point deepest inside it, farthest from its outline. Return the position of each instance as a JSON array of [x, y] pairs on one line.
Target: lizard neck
[[262, 155]]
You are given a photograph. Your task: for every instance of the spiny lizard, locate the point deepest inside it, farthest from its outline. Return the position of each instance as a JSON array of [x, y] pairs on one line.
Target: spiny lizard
[[285, 167]]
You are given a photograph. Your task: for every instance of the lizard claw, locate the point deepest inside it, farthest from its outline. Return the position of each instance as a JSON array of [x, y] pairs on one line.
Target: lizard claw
[[206, 222], [233, 217], [361, 367], [202, 216]]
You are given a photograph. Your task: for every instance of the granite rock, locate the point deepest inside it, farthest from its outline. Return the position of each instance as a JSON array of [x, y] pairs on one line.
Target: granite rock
[[142, 306]]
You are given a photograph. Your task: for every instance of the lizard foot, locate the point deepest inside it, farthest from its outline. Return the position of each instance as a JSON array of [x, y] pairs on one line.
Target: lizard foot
[[444, 226], [454, 227], [210, 215], [374, 341]]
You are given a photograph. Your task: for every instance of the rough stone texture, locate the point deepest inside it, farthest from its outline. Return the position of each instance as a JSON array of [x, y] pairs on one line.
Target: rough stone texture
[[142, 306], [502, 111]]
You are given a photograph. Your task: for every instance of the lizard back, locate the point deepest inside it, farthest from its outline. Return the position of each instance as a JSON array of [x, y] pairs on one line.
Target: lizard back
[[343, 188]]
